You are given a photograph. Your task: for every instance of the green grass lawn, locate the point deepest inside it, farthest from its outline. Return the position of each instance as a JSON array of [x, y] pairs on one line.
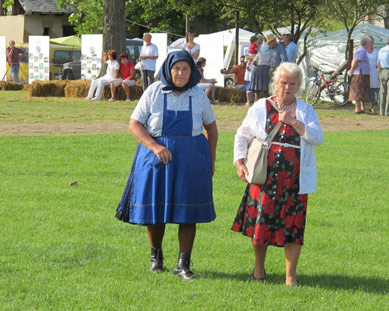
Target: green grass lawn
[[16, 107], [62, 249]]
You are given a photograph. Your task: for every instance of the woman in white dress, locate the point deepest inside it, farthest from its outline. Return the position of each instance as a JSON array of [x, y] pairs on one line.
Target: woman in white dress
[[372, 54]]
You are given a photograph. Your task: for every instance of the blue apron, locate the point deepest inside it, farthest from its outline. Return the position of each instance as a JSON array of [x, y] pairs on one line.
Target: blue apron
[[177, 192]]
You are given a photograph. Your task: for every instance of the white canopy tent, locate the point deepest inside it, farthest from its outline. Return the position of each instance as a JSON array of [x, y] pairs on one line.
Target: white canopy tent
[[212, 47], [327, 51]]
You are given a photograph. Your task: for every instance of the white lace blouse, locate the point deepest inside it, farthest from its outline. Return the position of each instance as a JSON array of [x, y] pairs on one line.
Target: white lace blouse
[[254, 125]]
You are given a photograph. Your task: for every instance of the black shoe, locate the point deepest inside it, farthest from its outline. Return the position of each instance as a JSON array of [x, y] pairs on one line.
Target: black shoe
[[183, 267], [156, 260]]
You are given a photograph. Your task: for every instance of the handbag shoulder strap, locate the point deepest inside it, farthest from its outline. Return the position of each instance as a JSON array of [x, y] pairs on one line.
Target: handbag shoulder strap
[[277, 127]]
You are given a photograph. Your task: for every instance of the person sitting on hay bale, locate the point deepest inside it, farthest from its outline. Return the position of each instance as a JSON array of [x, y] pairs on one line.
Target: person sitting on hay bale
[[112, 73], [127, 79]]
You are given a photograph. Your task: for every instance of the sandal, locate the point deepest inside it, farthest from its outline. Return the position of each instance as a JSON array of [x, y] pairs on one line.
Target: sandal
[[294, 285], [253, 278]]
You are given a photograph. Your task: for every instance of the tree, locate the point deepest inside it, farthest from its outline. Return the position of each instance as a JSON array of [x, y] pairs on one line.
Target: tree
[[351, 12], [302, 16], [87, 17]]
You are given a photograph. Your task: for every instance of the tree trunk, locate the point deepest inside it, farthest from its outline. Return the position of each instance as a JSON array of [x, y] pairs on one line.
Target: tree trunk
[[114, 32]]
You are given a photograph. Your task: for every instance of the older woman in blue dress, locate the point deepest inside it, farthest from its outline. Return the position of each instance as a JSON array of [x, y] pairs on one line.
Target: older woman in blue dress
[[171, 175]]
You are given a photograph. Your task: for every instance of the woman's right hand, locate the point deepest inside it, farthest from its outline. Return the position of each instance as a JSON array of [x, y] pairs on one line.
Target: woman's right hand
[[241, 170], [163, 154]]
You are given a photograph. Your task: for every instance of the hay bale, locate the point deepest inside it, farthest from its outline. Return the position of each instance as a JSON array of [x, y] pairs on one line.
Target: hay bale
[[78, 88], [11, 86], [230, 95], [26, 87], [47, 88], [136, 92]]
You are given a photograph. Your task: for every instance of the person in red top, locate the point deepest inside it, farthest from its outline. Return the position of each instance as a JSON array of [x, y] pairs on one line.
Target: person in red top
[[254, 44], [128, 77], [13, 54], [239, 71]]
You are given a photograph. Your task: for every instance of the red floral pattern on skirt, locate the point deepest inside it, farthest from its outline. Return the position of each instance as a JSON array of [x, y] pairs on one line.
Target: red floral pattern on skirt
[[274, 213]]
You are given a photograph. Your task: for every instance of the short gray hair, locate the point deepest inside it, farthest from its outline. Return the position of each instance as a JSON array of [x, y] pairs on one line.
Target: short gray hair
[[364, 40], [290, 68], [261, 37]]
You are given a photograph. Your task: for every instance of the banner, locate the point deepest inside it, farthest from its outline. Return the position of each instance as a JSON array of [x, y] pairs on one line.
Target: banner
[[38, 58], [160, 40], [3, 59], [91, 56]]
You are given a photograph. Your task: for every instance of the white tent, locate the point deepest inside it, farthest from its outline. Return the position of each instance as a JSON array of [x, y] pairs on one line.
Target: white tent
[[327, 51], [229, 42], [212, 47]]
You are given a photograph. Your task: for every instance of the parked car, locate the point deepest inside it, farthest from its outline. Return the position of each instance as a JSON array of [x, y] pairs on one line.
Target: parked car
[[72, 70]]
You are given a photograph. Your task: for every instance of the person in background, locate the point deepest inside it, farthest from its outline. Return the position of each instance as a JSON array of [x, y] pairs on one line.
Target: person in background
[[360, 76], [247, 77], [208, 85], [191, 47], [278, 53], [171, 175], [372, 54], [260, 77], [112, 72], [383, 69], [250, 69], [148, 57], [127, 79], [255, 43], [239, 71], [274, 213], [290, 47], [13, 55]]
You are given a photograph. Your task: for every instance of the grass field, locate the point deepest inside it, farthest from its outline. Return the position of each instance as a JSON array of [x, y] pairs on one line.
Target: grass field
[[62, 249]]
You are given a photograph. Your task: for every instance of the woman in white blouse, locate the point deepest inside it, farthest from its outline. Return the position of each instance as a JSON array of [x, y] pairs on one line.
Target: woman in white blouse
[[112, 73], [274, 213], [191, 47], [171, 175], [372, 54]]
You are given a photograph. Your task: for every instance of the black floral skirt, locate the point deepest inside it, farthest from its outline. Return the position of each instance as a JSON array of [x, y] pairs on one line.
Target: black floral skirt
[[274, 213]]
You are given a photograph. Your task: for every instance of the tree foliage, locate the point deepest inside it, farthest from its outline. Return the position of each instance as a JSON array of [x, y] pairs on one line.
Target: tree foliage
[[88, 15], [351, 12]]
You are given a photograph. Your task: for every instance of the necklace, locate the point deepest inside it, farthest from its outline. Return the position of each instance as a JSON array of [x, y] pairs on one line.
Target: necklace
[[287, 107], [282, 107]]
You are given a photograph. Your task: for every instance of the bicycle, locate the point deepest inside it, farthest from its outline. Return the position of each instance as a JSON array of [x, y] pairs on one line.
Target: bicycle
[[336, 90]]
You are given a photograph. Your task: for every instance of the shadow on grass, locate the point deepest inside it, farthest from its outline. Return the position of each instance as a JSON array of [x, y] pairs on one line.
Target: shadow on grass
[[365, 284]]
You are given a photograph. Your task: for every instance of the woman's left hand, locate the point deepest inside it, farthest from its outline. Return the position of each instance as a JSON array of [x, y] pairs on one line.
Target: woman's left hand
[[286, 117]]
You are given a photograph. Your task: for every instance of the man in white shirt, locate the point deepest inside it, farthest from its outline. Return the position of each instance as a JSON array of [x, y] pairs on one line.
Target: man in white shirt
[[287, 40], [148, 57]]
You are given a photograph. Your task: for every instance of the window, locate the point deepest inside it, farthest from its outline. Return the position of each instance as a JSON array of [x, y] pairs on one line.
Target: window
[[61, 57]]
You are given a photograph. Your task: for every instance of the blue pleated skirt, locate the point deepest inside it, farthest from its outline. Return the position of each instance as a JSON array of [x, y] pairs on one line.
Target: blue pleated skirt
[[177, 192]]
